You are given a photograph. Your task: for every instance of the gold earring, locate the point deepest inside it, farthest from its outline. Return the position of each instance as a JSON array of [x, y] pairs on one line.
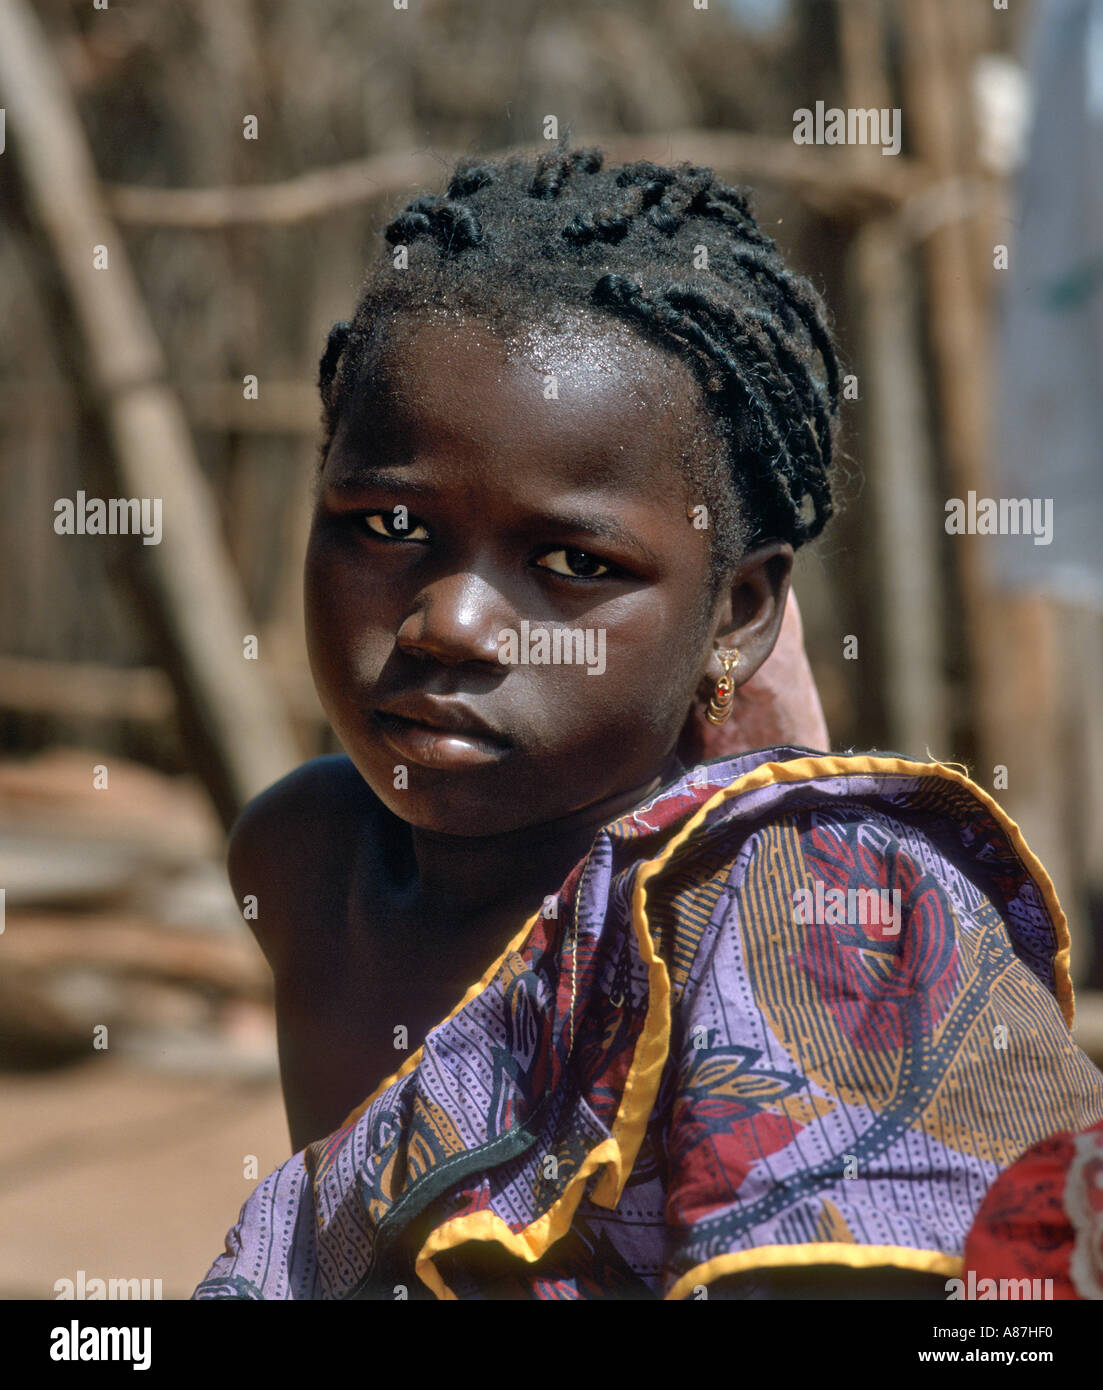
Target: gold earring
[[723, 696]]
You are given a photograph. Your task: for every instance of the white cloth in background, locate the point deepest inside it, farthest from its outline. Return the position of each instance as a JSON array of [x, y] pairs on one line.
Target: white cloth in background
[[1049, 385]]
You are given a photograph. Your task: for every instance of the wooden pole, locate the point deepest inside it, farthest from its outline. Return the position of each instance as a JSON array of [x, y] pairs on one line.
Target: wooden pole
[[1011, 640], [238, 732], [899, 463], [829, 180]]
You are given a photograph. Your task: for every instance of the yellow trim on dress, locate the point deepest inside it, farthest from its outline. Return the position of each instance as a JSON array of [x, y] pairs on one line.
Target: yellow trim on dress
[[618, 1153], [827, 1253]]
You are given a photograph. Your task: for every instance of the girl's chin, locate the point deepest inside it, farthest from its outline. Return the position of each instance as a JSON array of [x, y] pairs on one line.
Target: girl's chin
[[462, 821], [465, 805]]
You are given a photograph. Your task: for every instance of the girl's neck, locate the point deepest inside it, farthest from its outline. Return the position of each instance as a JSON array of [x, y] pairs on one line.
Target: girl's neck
[[462, 877]]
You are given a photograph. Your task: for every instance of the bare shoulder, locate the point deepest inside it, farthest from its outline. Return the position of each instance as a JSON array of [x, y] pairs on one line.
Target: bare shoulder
[[319, 794], [292, 846]]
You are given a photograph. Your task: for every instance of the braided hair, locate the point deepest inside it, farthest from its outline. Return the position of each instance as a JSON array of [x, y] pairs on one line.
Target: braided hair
[[671, 251]]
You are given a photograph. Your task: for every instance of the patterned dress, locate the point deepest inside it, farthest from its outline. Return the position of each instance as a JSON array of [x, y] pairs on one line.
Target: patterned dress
[[798, 1009]]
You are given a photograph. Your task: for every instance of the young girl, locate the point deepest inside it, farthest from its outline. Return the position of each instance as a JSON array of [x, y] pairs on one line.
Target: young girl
[[769, 1024]]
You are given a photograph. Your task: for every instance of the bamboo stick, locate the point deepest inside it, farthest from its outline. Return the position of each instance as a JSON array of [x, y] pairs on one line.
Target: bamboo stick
[[830, 180], [898, 448], [1012, 644], [240, 736]]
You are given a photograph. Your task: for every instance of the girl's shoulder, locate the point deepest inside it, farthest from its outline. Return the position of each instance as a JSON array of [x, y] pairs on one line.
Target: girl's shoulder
[[733, 798], [859, 992], [719, 800], [863, 840], [296, 842], [316, 791]]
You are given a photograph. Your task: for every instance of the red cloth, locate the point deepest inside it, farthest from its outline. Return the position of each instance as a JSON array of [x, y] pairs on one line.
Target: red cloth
[[1043, 1218]]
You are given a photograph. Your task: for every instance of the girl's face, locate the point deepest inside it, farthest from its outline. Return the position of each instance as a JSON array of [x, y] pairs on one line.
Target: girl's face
[[504, 584]]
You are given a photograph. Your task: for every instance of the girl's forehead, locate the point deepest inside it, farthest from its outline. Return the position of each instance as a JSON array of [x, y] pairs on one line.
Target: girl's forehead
[[577, 343], [573, 369], [570, 345], [585, 407]]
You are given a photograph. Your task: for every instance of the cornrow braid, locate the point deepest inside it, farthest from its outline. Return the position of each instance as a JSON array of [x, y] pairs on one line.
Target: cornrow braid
[[335, 346], [454, 226], [671, 251], [554, 167]]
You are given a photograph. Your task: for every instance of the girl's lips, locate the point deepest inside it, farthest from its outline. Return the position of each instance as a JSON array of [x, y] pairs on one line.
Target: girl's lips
[[438, 748]]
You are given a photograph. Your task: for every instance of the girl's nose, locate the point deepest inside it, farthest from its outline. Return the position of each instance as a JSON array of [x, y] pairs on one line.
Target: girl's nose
[[455, 619]]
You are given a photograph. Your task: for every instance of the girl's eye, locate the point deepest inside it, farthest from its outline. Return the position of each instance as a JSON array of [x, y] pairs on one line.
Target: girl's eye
[[397, 525], [576, 564]]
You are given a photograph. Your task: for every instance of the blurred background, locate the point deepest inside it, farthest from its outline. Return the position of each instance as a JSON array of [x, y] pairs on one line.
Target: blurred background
[[965, 278]]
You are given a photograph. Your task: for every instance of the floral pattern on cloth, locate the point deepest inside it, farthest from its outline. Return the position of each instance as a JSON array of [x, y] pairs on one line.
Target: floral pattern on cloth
[[676, 1075]]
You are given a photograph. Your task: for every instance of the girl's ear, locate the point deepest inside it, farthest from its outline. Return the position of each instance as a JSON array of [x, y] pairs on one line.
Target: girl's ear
[[778, 705], [750, 614]]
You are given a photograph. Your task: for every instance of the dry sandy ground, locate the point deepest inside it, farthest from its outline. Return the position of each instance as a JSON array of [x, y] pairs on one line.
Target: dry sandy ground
[[126, 1174]]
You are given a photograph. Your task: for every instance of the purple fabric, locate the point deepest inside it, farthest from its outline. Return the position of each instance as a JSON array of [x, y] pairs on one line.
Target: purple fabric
[[757, 1074]]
